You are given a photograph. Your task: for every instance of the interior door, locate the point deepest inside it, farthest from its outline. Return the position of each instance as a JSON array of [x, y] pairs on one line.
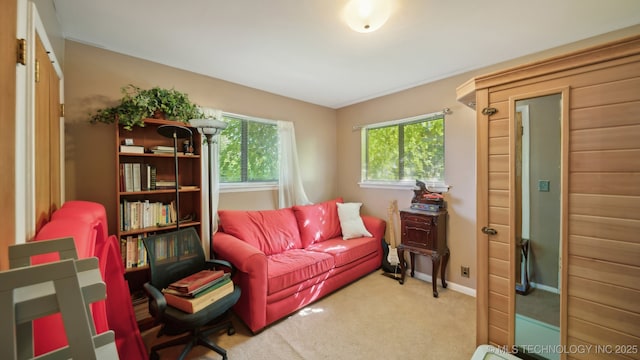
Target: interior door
[[495, 303], [47, 137]]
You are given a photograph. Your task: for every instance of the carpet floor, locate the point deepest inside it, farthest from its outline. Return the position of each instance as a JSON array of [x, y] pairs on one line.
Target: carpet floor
[[373, 318]]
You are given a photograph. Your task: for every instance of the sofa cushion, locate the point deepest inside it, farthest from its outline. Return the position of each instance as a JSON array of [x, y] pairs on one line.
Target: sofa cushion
[[318, 222], [351, 223], [345, 252], [295, 266], [271, 231]]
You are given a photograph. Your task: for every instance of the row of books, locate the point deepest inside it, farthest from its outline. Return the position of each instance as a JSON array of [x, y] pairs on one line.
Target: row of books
[[142, 214], [138, 177], [133, 251], [167, 248], [197, 291]]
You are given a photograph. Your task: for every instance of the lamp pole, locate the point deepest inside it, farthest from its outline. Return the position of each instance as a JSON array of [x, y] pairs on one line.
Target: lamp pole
[[175, 132], [209, 128], [210, 145]]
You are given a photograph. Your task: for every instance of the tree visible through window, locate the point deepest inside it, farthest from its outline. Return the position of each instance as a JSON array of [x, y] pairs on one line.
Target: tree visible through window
[[404, 150], [248, 151]]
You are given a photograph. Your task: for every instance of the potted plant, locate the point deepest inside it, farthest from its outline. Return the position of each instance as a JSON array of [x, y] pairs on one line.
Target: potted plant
[[138, 104]]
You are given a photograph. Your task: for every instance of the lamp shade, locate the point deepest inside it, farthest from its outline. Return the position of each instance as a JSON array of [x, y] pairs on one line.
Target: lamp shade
[[208, 126], [367, 15]]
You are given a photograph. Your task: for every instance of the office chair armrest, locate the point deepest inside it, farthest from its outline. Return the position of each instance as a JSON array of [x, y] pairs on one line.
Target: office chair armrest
[[217, 262], [157, 302]]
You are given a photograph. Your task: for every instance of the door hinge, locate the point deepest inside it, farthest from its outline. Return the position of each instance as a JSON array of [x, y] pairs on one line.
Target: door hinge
[[61, 110], [37, 71], [489, 111], [21, 52]]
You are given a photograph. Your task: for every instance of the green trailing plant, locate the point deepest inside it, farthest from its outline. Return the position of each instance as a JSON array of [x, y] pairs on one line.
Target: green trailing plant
[[137, 104]]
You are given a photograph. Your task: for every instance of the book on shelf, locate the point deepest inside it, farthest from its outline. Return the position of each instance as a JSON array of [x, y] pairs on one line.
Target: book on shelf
[[194, 281], [133, 252], [206, 298], [152, 178], [128, 176], [137, 177], [165, 184], [202, 289], [162, 149], [132, 149]]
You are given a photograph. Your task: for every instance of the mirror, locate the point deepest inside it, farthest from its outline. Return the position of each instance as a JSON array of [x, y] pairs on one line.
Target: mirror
[[538, 155]]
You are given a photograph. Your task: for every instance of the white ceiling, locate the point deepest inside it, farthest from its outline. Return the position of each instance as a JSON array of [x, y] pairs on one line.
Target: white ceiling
[[304, 50]]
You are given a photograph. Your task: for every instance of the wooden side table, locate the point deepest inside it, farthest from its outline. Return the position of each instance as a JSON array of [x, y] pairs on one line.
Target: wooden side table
[[424, 233]]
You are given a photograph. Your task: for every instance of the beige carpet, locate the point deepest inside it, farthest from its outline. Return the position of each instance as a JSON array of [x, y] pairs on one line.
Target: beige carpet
[[373, 318]]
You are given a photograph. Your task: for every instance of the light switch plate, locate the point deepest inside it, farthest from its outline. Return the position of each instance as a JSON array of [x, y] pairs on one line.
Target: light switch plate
[[543, 185]]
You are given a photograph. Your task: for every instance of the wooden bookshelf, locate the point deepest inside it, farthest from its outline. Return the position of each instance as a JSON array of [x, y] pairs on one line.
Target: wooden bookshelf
[[130, 197]]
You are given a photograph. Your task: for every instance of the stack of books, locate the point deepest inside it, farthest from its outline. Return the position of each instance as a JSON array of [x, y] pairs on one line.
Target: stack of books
[[197, 291], [162, 149], [132, 149]]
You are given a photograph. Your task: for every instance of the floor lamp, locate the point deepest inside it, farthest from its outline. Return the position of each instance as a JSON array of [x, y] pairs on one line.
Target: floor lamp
[[175, 132], [209, 128]]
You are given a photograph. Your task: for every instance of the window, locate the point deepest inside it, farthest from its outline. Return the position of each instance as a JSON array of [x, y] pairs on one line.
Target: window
[[248, 150], [404, 150]]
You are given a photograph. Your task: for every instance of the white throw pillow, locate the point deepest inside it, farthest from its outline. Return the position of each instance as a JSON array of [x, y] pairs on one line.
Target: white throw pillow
[[350, 221]]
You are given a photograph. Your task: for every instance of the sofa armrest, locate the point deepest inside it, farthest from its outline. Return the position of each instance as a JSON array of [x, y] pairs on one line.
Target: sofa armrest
[[241, 255], [374, 225], [251, 276]]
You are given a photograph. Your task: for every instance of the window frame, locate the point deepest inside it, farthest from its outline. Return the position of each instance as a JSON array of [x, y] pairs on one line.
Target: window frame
[[245, 186], [398, 184]]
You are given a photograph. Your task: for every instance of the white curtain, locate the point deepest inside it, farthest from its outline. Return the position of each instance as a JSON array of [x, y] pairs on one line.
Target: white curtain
[[290, 189], [215, 185]]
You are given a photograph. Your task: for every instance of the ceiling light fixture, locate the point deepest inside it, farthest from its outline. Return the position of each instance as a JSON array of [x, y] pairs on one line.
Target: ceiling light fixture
[[367, 15]]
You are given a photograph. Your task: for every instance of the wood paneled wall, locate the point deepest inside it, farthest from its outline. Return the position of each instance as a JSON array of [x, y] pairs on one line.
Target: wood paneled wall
[[604, 208]]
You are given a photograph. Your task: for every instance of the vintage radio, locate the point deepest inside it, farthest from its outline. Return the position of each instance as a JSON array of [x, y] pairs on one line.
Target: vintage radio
[[426, 200]]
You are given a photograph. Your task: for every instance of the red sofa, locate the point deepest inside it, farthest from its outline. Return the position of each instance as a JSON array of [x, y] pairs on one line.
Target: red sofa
[[86, 223], [289, 258]]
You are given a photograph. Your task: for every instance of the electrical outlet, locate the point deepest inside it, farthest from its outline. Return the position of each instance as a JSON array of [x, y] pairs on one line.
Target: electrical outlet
[[464, 271]]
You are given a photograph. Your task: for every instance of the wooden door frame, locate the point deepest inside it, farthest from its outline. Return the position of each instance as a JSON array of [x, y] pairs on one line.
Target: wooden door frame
[[564, 92], [482, 218], [8, 73]]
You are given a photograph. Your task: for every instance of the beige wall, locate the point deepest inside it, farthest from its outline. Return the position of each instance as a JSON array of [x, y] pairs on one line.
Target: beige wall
[[93, 78], [459, 164]]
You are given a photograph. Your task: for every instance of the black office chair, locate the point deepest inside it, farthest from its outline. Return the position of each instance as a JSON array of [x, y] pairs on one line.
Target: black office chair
[[172, 256]]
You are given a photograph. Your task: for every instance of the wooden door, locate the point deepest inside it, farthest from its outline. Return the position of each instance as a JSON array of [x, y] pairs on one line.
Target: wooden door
[[495, 302], [47, 137], [8, 32]]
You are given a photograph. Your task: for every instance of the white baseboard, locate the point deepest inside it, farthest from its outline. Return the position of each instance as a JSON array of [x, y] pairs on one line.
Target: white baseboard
[[450, 285]]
